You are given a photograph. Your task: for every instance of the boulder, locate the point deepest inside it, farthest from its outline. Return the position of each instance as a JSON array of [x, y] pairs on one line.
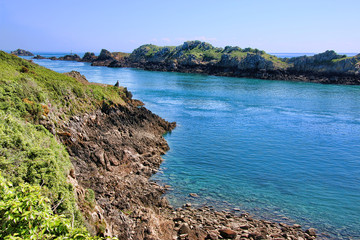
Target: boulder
[[228, 233]]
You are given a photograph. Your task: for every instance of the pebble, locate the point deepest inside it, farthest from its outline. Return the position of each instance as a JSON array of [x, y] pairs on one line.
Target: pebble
[[194, 195]]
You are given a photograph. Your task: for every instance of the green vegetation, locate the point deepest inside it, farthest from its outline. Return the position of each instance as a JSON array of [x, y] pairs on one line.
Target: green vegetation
[[26, 214], [202, 52], [30, 157], [29, 91]]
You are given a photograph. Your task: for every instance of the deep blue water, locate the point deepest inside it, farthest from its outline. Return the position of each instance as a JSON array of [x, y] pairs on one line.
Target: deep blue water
[[286, 151]]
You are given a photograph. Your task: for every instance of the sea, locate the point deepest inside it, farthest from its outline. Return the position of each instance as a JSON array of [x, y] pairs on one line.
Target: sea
[[283, 151]]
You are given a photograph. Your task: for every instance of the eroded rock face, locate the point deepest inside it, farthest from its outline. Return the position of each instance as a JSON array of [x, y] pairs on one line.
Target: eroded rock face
[[114, 151], [22, 52]]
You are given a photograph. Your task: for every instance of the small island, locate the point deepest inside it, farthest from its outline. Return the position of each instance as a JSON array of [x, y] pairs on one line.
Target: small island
[[22, 52]]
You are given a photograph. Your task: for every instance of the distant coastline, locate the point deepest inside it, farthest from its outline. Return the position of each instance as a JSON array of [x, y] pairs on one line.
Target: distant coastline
[[201, 57]]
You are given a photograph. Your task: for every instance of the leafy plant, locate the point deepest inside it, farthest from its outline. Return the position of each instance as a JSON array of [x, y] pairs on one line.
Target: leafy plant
[[26, 214]]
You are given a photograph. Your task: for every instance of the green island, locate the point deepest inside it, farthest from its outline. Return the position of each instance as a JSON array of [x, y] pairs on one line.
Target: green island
[[201, 57]]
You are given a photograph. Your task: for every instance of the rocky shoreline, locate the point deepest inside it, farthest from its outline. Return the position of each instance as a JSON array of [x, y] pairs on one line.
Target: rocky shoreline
[[114, 151], [200, 57]]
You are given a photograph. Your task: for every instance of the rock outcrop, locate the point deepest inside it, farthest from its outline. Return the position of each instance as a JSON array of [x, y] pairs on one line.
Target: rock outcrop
[[71, 57], [39, 57], [22, 52], [89, 57]]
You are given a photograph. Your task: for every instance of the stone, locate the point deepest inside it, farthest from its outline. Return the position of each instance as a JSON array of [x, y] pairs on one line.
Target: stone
[[184, 229], [311, 232], [194, 195], [228, 233]]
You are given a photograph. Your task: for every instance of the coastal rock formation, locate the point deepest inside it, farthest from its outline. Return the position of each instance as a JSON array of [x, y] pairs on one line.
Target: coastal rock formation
[[104, 59], [114, 151], [22, 52], [200, 57], [72, 57], [89, 57], [328, 62], [39, 57]]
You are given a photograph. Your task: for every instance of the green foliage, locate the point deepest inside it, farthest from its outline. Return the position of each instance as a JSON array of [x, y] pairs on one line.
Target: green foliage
[[30, 154], [26, 214]]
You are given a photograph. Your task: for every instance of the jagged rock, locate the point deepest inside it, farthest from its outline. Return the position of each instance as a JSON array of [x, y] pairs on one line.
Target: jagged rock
[[22, 52], [89, 57], [105, 55]]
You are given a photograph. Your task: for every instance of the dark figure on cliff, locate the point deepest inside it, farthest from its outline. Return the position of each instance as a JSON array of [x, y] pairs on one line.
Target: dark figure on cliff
[[117, 84]]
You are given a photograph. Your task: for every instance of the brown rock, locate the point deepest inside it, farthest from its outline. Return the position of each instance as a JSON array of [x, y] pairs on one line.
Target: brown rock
[[228, 233], [184, 229], [311, 232]]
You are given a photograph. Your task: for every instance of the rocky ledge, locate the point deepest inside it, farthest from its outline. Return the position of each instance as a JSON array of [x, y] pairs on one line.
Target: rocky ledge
[[114, 151], [22, 52]]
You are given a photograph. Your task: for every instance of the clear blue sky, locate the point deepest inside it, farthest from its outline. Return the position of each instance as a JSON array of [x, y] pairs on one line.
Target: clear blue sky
[[270, 25]]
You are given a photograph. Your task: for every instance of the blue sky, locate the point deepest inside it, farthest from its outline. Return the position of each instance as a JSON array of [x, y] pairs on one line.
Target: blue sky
[[270, 25]]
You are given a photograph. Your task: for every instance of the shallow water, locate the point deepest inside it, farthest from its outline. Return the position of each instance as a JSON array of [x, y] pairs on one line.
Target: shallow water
[[285, 151]]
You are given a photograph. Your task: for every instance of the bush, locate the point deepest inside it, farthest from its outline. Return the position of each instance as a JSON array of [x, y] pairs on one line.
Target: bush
[[26, 214]]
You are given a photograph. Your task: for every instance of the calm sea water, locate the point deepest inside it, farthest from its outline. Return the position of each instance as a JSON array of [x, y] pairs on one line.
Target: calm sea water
[[285, 151]]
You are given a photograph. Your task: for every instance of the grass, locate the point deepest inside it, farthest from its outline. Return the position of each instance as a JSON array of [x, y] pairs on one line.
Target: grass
[[28, 91], [29, 153]]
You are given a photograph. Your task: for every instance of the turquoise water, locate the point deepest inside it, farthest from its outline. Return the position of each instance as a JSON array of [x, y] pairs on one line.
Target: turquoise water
[[284, 151]]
